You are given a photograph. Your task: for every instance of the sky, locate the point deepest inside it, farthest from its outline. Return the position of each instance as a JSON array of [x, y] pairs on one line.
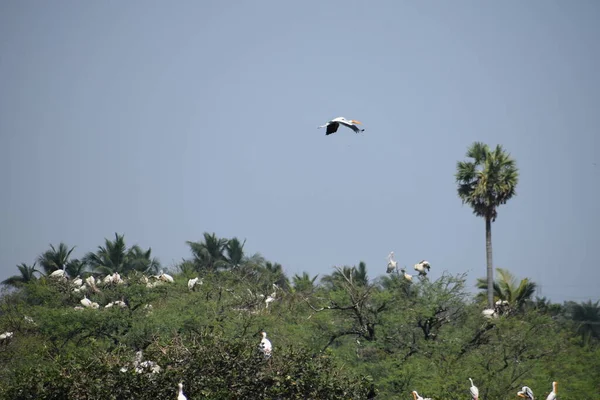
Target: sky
[[164, 120]]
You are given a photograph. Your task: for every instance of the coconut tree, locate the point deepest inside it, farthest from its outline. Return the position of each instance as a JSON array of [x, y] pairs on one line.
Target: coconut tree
[[358, 275], [586, 316], [114, 256], [55, 258], [506, 287], [304, 283], [485, 182], [27, 274], [209, 254]]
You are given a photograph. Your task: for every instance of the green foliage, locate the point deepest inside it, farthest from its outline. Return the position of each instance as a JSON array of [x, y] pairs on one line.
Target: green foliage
[[346, 338]]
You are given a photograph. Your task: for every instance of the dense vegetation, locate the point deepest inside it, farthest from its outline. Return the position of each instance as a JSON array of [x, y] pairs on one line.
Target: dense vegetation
[[343, 336]]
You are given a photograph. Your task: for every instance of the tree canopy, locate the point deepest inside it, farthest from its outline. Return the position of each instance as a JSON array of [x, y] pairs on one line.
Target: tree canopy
[[345, 336]]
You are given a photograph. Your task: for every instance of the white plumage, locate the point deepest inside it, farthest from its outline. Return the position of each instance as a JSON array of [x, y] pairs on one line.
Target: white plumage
[[552, 395], [526, 393], [181, 396], [332, 126], [417, 397], [474, 390], [423, 267], [391, 265], [265, 345]]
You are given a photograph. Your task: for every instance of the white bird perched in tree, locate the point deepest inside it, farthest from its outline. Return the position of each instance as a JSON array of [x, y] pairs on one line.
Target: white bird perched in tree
[[417, 397], [271, 298], [59, 273], [86, 302], [422, 266], [6, 336], [552, 395], [141, 365], [526, 393], [489, 313], [181, 396], [193, 282], [391, 265], [408, 277], [265, 345], [165, 277], [332, 126], [78, 281], [474, 390]]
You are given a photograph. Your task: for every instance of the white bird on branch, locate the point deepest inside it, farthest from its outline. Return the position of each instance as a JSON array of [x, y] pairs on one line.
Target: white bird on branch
[[265, 345], [391, 265]]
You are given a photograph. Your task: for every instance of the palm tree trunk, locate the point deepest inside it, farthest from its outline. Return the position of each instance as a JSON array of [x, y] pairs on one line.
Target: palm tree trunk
[[490, 269]]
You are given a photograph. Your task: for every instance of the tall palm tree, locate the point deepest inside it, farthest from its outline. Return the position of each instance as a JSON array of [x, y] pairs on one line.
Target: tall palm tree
[[485, 182], [235, 252], [304, 283], [507, 288], [356, 275], [27, 275], [209, 254], [114, 256], [586, 316], [142, 260], [55, 258], [274, 273]]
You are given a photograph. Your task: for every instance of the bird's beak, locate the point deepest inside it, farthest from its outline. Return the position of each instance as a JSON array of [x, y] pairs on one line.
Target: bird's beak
[[521, 394], [356, 122], [414, 395]]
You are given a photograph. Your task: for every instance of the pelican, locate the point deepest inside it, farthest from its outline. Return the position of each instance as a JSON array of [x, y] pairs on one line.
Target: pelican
[[59, 273], [332, 126], [552, 395], [408, 277], [474, 390], [421, 266], [271, 298], [165, 277], [417, 397], [391, 265], [192, 283], [86, 302], [181, 396], [78, 281], [526, 393], [265, 345], [6, 336]]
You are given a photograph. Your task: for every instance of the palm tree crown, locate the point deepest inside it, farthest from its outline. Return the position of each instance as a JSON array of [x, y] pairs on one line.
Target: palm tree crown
[[488, 181]]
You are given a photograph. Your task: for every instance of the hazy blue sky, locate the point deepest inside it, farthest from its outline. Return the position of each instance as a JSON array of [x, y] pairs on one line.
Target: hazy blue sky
[[163, 120]]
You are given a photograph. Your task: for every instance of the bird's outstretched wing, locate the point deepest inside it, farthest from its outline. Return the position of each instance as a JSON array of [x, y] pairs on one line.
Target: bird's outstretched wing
[[332, 128], [355, 128]]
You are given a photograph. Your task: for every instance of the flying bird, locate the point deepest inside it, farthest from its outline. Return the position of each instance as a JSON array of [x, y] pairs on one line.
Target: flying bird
[[333, 125]]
